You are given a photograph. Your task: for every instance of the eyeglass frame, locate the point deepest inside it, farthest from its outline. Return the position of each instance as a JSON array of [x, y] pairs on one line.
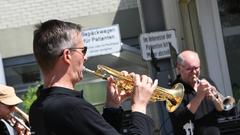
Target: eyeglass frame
[[84, 50], [190, 69]]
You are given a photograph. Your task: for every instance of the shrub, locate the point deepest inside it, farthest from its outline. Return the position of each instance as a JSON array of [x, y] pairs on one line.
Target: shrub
[[29, 97]]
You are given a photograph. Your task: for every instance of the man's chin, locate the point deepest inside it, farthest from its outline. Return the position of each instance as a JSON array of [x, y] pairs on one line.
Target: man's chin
[[79, 78]]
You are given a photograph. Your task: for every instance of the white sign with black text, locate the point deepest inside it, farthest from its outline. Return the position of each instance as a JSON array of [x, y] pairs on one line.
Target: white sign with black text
[[159, 43], [101, 41]]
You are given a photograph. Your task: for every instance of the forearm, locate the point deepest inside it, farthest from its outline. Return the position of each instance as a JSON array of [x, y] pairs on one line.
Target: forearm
[[141, 124], [114, 117], [195, 103]]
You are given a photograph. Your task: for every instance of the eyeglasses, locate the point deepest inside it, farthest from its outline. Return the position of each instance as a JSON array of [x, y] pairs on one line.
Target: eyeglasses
[[189, 69], [84, 49]]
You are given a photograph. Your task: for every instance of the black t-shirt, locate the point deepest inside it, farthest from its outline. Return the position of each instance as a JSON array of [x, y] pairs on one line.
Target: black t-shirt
[[183, 120], [61, 111]]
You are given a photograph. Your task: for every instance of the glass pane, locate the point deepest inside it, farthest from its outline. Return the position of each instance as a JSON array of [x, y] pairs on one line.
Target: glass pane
[[20, 76], [229, 11], [94, 92], [232, 47]]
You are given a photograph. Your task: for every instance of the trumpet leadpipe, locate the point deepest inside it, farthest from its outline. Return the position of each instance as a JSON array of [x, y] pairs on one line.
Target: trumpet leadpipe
[[23, 114], [103, 76]]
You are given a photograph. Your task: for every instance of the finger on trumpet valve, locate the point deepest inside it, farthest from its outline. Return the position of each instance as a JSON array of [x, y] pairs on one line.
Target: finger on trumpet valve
[[15, 120], [213, 91], [11, 120]]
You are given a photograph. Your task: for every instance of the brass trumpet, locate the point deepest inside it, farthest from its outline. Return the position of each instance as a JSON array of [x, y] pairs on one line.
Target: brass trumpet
[[14, 119], [173, 97], [226, 104]]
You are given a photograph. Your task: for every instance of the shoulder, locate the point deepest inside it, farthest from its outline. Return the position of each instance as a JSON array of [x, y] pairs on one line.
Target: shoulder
[[66, 102], [59, 96]]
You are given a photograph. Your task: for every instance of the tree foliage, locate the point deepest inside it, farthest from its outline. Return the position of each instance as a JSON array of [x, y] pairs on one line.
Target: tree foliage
[[29, 97]]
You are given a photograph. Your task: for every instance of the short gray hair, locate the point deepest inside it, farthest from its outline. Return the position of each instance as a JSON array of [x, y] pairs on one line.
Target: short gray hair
[[50, 39], [181, 59]]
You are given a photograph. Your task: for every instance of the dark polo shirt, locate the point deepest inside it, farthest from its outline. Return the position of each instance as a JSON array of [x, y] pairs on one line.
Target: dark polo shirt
[[61, 111], [204, 117]]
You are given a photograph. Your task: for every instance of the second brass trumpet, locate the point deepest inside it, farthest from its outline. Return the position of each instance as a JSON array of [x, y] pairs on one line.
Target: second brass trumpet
[[227, 103], [14, 119], [173, 97]]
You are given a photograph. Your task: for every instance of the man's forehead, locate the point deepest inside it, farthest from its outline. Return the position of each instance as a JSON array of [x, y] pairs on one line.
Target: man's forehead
[[194, 63], [191, 57]]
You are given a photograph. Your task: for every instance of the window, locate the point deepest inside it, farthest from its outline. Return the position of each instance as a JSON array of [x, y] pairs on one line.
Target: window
[[21, 72], [229, 11]]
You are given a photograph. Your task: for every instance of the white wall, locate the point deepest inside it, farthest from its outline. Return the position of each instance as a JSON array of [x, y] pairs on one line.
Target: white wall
[[16, 13], [18, 17]]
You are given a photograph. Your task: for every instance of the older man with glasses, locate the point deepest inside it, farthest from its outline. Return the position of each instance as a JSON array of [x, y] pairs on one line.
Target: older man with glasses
[[197, 113]]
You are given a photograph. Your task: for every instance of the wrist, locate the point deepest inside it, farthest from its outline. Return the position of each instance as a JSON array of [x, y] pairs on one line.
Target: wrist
[[139, 108], [111, 105]]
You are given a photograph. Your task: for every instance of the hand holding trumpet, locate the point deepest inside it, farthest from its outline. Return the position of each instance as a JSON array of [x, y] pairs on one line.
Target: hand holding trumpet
[[144, 87], [212, 94], [18, 124], [221, 103], [204, 87]]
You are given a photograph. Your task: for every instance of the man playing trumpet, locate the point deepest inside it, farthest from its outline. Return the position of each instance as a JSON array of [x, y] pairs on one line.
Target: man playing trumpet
[[60, 109], [8, 124], [197, 112]]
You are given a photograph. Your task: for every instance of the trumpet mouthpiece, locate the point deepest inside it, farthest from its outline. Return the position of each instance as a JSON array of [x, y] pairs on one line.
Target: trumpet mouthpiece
[[88, 70], [196, 79], [103, 76]]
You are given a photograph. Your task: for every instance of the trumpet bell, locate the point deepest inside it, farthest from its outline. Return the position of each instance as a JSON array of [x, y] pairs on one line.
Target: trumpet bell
[[173, 96], [178, 92], [228, 103]]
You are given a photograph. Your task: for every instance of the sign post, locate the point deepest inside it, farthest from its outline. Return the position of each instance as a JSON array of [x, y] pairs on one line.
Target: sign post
[[158, 43], [101, 41]]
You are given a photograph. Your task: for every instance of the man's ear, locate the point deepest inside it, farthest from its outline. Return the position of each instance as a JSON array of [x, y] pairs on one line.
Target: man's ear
[[67, 55], [178, 68]]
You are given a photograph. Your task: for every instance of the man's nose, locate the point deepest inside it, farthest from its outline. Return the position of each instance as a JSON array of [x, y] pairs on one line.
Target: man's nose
[[85, 58], [194, 70]]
